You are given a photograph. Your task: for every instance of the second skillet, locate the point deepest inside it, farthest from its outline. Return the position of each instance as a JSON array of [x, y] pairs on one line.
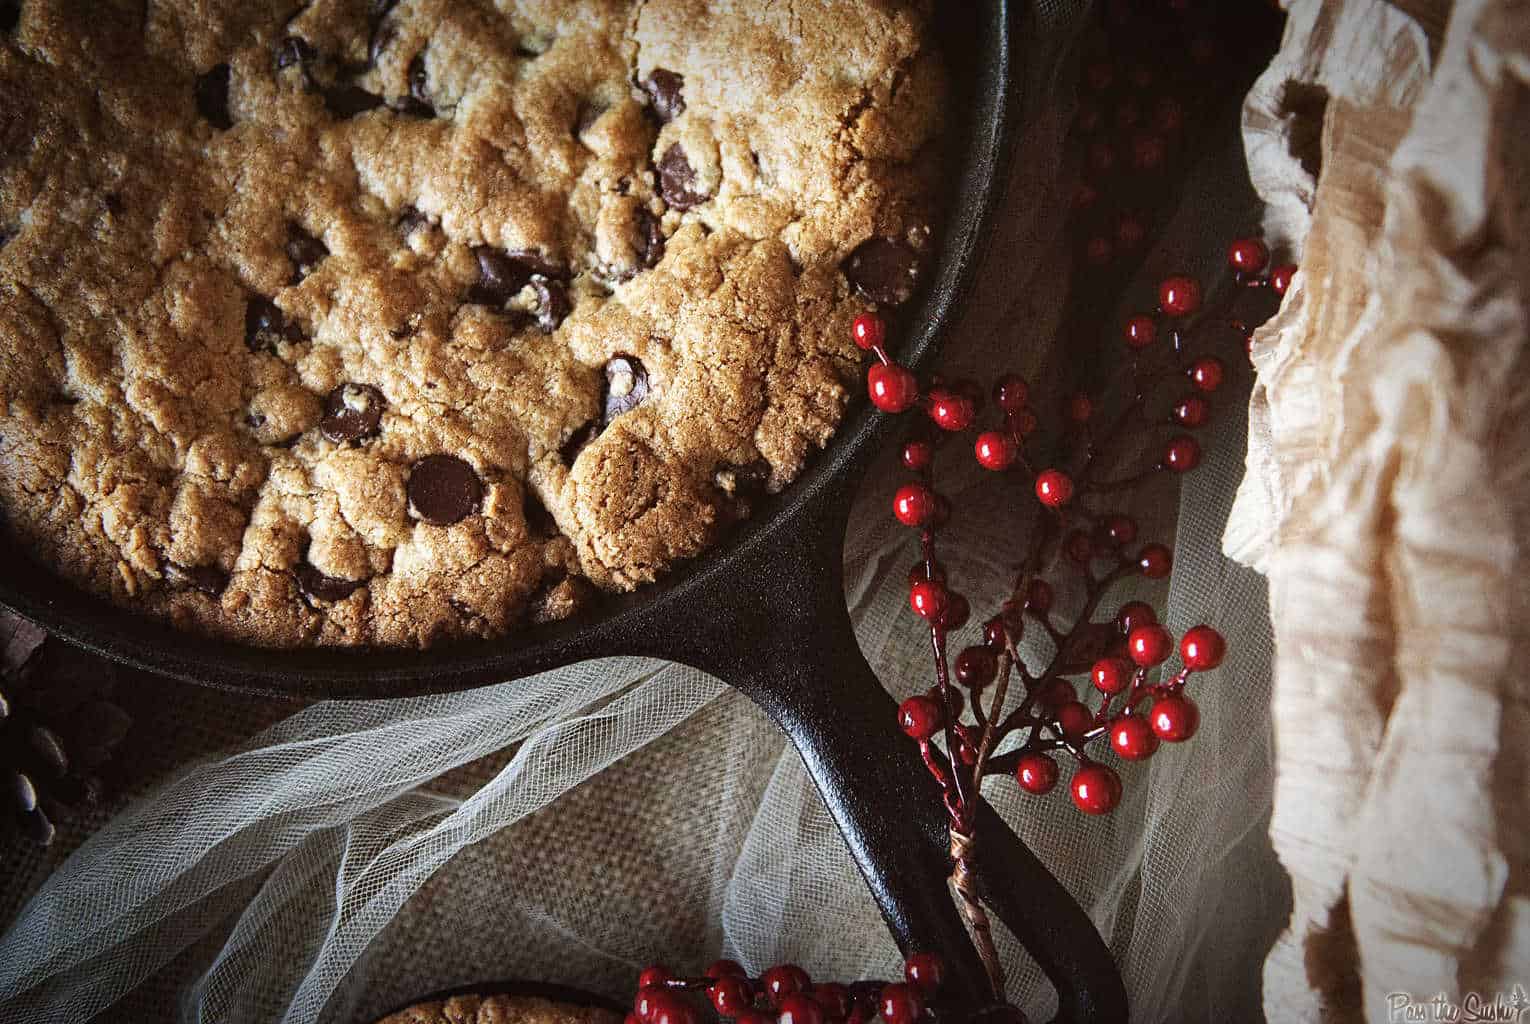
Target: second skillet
[[765, 612]]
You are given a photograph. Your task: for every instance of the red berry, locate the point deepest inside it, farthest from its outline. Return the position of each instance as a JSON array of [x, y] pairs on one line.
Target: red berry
[[917, 455], [994, 633], [914, 504], [1202, 648], [929, 599], [957, 612], [1119, 529], [1140, 331], [1057, 693], [784, 980], [1010, 392], [646, 1002], [1182, 454], [672, 1008], [920, 717], [951, 411], [1179, 295], [869, 331], [654, 975], [1096, 788], [893, 388], [995, 451], [1134, 614], [1175, 718], [1154, 561], [1075, 718], [1098, 251], [1080, 408], [1149, 645], [976, 667], [1191, 411], [1036, 773], [632, 1018], [1111, 675], [925, 972], [799, 1008], [900, 1004], [1024, 422], [1054, 487], [1132, 738], [1206, 374], [834, 998], [1248, 255], [730, 994], [1038, 596], [1280, 277], [726, 969], [931, 570], [753, 1016], [1130, 232], [1148, 153]]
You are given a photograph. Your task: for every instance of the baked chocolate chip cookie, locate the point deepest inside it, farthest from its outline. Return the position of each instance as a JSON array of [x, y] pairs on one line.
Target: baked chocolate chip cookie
[[391, 321], [500, 1009]]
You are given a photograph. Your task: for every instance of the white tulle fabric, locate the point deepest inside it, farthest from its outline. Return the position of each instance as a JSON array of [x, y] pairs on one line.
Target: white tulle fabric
[[346, 860]]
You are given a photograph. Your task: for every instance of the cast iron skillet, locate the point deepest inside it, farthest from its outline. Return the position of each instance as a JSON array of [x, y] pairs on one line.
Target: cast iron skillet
[[765, 612]]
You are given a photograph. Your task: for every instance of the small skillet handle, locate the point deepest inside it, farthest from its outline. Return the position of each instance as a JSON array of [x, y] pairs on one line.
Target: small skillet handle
[[788, 643]]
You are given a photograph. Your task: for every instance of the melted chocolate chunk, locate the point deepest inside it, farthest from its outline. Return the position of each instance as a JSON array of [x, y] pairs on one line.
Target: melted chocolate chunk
[[265, 327], [209, 579], [626, 386], [212, 97], [883, 270], [443, 489], [418, 83], [677, 180], [352, 412], [651, 239], [305, 251], [552, 303], [589, 113], [315, 586], [502, 275], [295, 50], [664, 90], [347, 100]]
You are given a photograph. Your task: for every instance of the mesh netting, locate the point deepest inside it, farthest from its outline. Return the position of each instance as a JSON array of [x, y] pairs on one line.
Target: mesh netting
[[346, 860]]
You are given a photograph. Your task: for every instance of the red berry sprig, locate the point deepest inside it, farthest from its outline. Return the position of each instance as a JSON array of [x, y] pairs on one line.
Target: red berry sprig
[[785, 994]]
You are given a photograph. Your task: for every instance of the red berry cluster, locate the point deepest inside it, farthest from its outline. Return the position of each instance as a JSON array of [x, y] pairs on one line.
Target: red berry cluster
[[785, 994]]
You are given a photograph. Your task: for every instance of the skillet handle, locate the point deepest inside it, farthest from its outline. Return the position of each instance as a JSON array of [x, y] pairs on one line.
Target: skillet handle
[[790, 646]]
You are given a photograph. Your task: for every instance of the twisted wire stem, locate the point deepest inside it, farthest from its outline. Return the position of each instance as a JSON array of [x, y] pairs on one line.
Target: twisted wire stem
[[963, 846]]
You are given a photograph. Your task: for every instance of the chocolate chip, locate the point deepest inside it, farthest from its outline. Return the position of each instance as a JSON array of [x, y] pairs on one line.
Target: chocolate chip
[[305, 251], [212, 97], [570, 449], [295, 50], [589, 112], [352, 412], [883, 270], [651, 239], [380, 37], [499, 277], [315, 586], [664, 90], [552, 303], [677, 180], [533, 45], [418, 83], [411, 220], [626, 385], [443, 489], [347, 100], [265, 327], [539, 264], [209, 579]]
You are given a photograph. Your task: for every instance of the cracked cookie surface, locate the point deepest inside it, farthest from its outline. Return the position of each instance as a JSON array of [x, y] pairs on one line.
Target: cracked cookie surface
[[392, 321]]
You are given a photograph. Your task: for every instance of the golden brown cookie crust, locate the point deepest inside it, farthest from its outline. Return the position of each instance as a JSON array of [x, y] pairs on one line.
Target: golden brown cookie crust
[[256, 270], [500, 1009]]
